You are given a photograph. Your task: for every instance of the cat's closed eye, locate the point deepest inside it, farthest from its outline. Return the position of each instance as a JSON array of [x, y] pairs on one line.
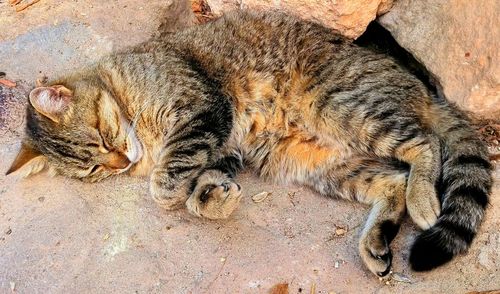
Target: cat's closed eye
[[93, 145], [94, 169]]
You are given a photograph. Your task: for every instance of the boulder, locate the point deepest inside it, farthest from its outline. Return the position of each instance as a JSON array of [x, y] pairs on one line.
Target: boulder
[[457, 41], [349, 17]]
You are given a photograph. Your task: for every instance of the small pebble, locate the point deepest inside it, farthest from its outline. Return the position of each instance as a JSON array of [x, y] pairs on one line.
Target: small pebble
[[336, 264], [222, 259], [2, 74], [9, 231], [41, 199], [106, 237], [12, 286], [340, 231]]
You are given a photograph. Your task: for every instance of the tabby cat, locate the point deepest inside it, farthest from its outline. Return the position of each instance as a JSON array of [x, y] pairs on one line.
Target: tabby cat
[[290, 98]]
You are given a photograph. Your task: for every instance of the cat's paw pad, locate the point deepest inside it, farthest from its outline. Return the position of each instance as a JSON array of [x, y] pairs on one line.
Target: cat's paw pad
[[376, 254], [424, 208], [214, 201]]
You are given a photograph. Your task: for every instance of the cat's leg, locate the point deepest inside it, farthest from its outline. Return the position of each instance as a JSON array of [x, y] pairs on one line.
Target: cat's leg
[[188, 151], [386, 195], [215, 194], [381, 185], [422, 202], [196, 130], [171, 178]]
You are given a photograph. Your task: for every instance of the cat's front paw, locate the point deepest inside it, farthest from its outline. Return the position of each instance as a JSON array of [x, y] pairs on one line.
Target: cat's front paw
[[215, 196]]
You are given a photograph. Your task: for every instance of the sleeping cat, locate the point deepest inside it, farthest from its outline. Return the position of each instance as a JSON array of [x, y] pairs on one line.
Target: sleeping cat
[[291, 99]]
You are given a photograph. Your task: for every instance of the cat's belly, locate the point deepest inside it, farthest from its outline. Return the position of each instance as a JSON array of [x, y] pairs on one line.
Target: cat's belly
[[286, 152]]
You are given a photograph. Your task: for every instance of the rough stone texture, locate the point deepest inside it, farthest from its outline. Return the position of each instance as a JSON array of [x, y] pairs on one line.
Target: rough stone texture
[[457, 41], [349, 17], [59, 235], [55, 36]]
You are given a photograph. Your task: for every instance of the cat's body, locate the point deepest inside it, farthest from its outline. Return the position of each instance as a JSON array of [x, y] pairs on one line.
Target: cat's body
[[293, 100]]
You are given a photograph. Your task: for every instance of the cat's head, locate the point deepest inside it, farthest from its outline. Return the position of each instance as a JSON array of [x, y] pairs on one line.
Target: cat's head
[[77, 129]]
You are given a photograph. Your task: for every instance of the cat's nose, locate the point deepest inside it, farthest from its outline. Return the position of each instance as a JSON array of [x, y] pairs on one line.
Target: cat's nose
[[117, 161]]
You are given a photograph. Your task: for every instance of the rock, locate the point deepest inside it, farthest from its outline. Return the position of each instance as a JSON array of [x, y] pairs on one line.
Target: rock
[[349, 17], [457, 41], [176, 15]]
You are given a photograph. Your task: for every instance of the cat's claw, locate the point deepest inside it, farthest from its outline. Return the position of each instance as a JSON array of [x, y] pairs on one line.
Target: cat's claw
[[214, 201]]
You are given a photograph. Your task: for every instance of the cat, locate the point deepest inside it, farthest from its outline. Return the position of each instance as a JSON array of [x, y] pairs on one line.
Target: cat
[[289, 98]]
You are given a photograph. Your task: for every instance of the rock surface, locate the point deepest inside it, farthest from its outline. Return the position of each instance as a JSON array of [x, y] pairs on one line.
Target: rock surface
[[349, 17], [457, 41]]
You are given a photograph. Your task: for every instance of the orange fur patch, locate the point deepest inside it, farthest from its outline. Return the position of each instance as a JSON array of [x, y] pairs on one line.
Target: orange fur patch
[[303, 152]]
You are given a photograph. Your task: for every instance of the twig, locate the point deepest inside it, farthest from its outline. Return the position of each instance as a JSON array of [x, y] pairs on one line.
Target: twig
[[313, 288], [26, 5], [291, 196], [217, 276]]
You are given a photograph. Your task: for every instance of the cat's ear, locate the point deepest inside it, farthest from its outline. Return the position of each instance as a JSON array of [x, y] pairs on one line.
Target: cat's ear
[[32, 161], [51, 101]]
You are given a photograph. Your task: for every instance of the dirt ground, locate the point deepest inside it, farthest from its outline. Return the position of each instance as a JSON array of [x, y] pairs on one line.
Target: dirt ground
[[62, 236]]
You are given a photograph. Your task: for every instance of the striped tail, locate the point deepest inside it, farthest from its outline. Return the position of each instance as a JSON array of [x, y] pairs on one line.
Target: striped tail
[[464, 190]]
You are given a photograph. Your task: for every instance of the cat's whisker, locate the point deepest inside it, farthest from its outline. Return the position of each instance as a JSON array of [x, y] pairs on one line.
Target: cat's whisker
[[133, 123]]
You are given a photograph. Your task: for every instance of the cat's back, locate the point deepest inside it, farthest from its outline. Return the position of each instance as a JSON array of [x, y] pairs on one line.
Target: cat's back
[[256, 41]]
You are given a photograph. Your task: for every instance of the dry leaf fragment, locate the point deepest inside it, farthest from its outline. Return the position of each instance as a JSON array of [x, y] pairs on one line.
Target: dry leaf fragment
[[41, 81], [398, 277], [106, 237], [281, 288], [260, 196], [340, 231], [8, 83]]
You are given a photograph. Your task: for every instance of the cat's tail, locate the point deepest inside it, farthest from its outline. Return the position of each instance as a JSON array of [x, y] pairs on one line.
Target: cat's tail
[[464, 189]]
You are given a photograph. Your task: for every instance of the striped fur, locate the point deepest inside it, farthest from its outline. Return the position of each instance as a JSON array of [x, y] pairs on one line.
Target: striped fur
[[291, 99]]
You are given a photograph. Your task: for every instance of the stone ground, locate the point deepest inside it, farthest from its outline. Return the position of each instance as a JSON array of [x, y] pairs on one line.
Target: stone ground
[[62, 236]]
